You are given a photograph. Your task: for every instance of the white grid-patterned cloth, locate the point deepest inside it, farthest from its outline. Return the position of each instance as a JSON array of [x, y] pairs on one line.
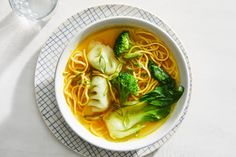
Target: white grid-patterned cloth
[[45, 70]]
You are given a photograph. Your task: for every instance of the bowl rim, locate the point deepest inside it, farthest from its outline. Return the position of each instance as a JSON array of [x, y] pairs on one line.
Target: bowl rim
[[181, 53]]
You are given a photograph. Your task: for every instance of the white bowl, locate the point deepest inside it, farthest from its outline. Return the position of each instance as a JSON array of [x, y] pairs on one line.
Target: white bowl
[[136, 143]]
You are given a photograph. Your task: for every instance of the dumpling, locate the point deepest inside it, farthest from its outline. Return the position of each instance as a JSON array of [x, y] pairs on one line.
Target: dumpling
[[98, 94], [102, 58]]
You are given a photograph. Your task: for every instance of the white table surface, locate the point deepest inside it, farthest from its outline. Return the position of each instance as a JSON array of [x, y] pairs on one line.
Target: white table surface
[[207, 29]]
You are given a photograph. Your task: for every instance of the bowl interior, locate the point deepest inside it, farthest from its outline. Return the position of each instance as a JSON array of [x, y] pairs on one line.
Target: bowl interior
[[131, 144]]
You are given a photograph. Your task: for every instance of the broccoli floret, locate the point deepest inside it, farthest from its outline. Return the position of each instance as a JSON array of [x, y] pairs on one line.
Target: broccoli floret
[[126, 85], [122, 44], [133, 55]]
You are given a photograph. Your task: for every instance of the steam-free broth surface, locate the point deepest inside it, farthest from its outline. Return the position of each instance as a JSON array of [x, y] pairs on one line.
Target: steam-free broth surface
[[79, 77]]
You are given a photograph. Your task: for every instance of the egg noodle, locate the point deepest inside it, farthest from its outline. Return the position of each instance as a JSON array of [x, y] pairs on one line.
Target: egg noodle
[[78, 73]]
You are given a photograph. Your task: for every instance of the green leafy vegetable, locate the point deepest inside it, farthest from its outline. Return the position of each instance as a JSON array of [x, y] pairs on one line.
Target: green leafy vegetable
[[126, 85], [163, 96], [153, 106], [167, 92], [129, 120], [122, 44], [160, 75]]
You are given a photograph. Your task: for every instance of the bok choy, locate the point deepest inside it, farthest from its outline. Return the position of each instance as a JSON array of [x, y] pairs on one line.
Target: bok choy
[[152, 106], [130, 119]]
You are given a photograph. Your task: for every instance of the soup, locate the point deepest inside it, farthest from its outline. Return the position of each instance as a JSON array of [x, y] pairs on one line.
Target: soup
[[122, 83]]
